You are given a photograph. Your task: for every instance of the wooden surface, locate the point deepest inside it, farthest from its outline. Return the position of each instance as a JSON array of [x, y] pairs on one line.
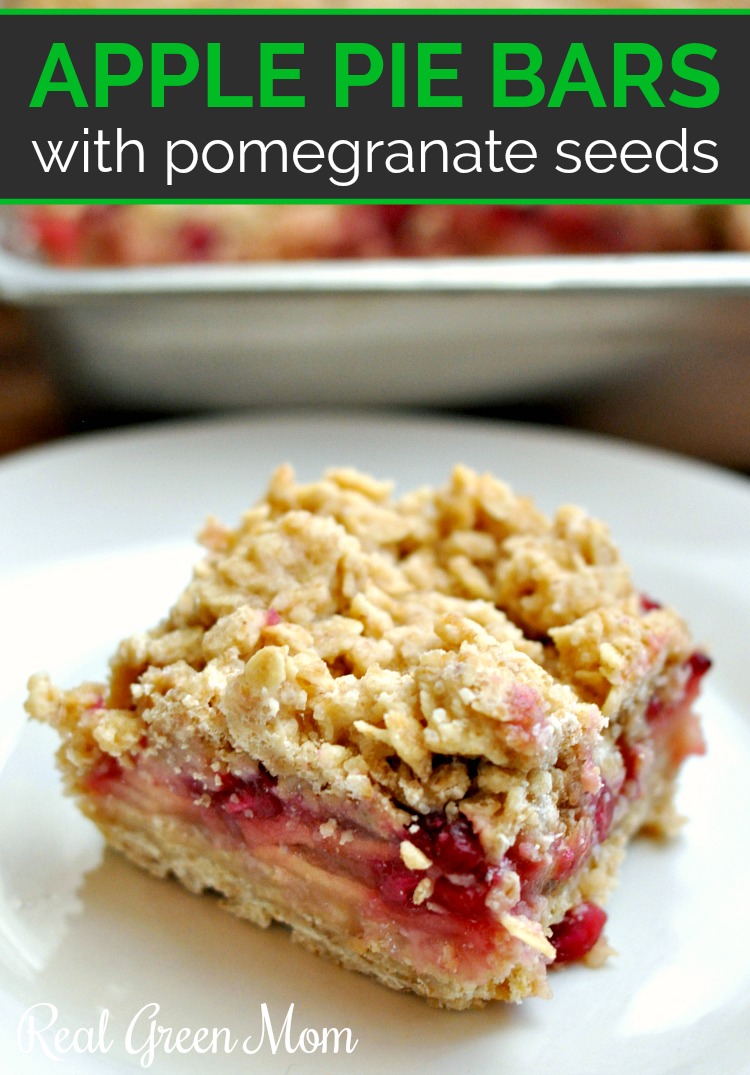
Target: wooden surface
[[31, 409]]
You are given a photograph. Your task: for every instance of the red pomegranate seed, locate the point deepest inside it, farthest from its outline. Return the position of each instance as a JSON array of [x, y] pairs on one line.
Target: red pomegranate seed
[[699, 664], [451, 845], [60, 238], [453, 849], [648, 604], [654, 708], [570, 224], [393, 216], [578, 932], [397, 885], [198, 241], [499, 216], [468, 901], [457, 848]]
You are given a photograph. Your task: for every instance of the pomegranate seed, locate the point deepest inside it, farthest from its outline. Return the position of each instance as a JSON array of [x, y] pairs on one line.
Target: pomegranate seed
[[397, 885], [648, 604], [578, 932], [655, 708], [198, 241], [255, 794], [699, 663], [451, 845], [464, 900], [393, 216], [453, 848], [500, 215], [60, 238], [457, 848], [569, 224]]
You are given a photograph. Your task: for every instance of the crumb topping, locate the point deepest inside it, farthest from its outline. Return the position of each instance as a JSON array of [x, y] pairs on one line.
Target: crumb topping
[[412, 857], [451, 649]]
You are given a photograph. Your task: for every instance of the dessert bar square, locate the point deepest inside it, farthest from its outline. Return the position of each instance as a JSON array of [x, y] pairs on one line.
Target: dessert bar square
[[419, 732]]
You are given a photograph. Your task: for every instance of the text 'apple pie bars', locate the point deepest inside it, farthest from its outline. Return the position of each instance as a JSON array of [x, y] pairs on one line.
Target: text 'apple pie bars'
[[419, 732]]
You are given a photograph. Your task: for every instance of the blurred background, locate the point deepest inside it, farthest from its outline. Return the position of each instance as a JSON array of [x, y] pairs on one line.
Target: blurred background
[[698, 404]]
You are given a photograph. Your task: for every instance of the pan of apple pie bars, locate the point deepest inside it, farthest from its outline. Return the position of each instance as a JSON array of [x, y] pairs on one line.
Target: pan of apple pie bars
[[216, 306]]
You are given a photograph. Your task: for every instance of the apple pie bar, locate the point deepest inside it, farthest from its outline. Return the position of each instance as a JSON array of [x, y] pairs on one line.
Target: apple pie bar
[[418, 731]]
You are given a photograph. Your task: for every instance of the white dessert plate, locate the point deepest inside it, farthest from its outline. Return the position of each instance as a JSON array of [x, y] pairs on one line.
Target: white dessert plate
[[95, 955]]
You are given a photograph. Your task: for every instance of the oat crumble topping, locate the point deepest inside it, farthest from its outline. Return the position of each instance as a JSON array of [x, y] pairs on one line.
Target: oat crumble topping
[[453, 647]]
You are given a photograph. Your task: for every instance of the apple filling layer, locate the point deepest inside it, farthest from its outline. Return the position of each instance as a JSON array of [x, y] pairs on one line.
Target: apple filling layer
[[423, 890]]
